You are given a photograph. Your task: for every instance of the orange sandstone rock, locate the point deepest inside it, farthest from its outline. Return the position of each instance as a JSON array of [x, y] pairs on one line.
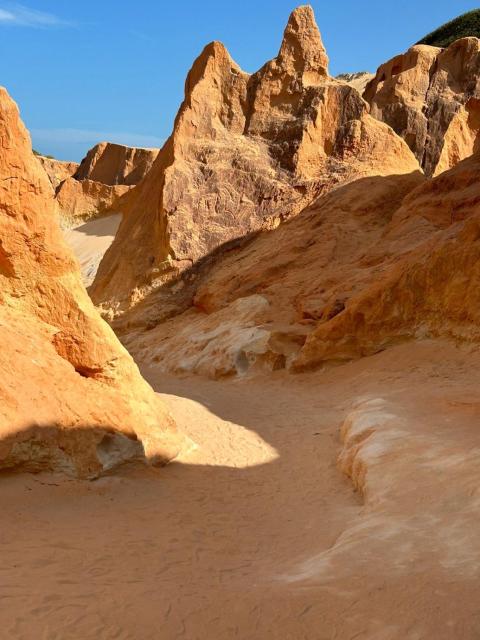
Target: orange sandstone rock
[[71, 398], [96, 186], [430, 285], [113, 164], [78, 201], [429, 96], [374, 262], [57, 170], [246, 153]]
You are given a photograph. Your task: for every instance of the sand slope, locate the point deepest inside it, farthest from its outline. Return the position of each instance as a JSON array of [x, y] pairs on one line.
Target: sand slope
[[89, 242]]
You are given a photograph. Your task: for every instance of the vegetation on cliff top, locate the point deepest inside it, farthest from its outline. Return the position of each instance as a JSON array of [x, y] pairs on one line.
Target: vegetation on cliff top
[[465, 25], [37, 153]]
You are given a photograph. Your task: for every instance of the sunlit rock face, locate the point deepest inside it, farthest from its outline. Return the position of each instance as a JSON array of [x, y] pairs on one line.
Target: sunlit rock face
[[430, 97], [72, 398], [57, 170], [247, 152], [95, 187], [374, 262], [428, 285], [115, 164]]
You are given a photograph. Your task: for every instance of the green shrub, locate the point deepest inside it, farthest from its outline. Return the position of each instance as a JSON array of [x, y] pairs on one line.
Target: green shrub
[[37, 153], [466, 25]]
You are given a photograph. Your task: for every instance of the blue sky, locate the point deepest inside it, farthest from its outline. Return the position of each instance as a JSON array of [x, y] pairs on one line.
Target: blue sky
[[115, 69]]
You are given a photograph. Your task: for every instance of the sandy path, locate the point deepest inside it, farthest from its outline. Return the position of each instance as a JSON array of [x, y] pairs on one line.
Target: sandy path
[[256, 534]]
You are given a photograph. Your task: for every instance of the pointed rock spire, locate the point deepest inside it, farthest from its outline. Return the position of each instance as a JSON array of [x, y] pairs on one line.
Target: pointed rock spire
[[302, 47], [215, 90]]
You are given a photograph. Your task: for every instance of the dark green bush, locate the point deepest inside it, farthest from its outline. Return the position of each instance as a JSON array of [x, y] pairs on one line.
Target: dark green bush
[[466, 25]]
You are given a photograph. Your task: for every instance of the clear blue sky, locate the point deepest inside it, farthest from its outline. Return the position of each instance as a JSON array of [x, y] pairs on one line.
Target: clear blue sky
[[87, 70]]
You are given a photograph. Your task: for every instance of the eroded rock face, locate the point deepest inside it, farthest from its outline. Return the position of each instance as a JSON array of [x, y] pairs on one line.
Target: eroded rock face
[[95, 188], [429, 96], [372, 263], [430, 285], [78, 201], [113, 164], [57, 170], [231, 341], [306, 271], [462, 137], [71, 398], [246, 153]]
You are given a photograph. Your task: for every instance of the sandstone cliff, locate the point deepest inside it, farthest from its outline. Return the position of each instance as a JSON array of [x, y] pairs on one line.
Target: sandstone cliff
[[430, 97], [257, 305], [430, 286], [71, 397], [246, 153], [57, 170], [95, 187], [372, 263], [113, 164], [78, 201]]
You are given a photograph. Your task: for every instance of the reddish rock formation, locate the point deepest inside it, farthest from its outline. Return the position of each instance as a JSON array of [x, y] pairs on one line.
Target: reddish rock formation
[[78, 201], [430, 97], [96, 186], [246, 153], [57, 170], [462, 137], [431, 285], [303, 273], [71, 397], [114, 164], [374, 262]]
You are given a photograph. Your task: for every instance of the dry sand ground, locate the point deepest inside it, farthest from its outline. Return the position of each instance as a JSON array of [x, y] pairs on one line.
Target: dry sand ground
[[257, 534], [89, 242]]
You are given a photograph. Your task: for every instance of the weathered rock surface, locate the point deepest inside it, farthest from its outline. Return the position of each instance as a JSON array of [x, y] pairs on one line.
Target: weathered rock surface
[[461, 138], [79, 201], [246, 153], [230, 341], [430, 96], [307, 270], [95, 187], [57, 170], [71, 398], [114, 164], [430, 284], [372, 263]]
